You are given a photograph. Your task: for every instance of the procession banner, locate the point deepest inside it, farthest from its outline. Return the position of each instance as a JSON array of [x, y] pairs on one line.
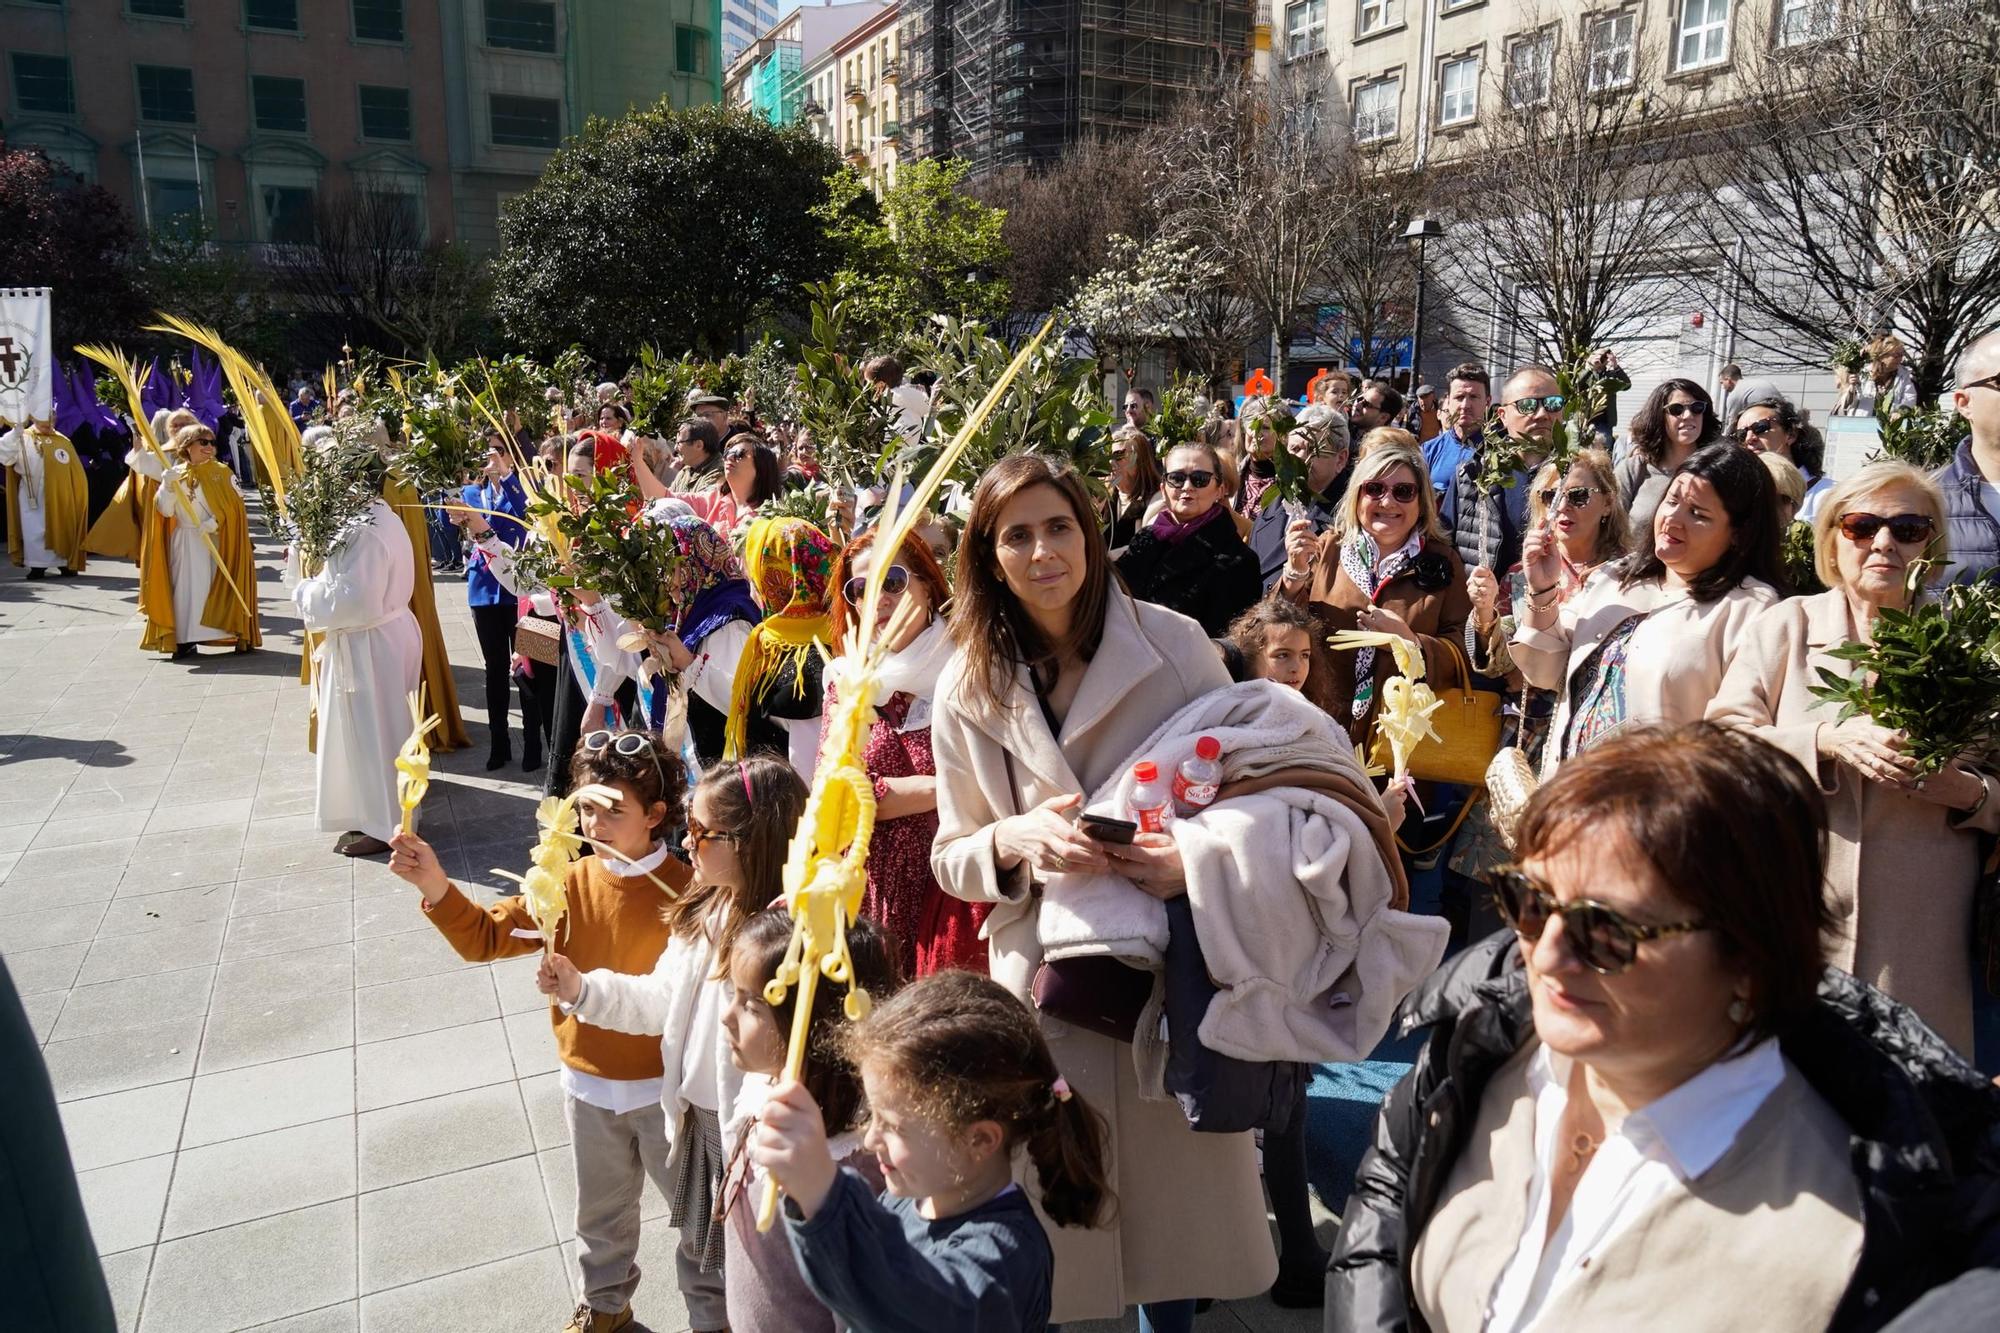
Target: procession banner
[[27, 354]]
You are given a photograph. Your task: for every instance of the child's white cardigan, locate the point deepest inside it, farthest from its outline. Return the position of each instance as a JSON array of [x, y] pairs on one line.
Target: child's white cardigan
[[666, 1001]]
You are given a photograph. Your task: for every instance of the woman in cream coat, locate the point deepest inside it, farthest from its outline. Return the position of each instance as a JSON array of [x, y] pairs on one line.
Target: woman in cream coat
[[1059, 677], [1902, 851]]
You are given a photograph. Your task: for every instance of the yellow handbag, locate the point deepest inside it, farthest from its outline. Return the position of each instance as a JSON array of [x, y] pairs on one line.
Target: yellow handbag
[[1468, 733]]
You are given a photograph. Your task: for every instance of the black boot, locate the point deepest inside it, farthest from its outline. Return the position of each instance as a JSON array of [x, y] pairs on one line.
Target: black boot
[[67, 572], [182, 652], [37, 572], [499, 758]]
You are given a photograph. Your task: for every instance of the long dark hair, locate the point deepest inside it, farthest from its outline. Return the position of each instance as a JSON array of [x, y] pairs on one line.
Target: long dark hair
[[831, 1080], [757, 801], [1249, 631], [1750, 498], [1808, 445], [769, 480], [987, 622], [1649, 424], [965, 1050]]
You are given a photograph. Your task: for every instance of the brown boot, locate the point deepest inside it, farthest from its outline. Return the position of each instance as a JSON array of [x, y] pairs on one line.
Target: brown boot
[[587, 1320]]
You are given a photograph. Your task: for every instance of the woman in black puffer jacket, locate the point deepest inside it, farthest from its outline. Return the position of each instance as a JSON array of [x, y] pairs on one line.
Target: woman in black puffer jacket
[[1654, 1098], [1192, 559]]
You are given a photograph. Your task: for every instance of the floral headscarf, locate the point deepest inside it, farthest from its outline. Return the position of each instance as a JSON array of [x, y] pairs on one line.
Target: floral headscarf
[[790, 563], [706, 588]]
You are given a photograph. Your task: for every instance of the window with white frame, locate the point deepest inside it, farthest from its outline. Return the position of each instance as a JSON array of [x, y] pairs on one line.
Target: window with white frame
[[1377, 15], [1704, 34], [1458, 91], [1530, 62], [1305, 28], [1611, 41], [1375, 109], [1801, 21]]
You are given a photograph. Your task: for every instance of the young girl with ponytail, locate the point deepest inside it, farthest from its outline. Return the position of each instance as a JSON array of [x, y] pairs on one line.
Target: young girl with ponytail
[[957, 1077]]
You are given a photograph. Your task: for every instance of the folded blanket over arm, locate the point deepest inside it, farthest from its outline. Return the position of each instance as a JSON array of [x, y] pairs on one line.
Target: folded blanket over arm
[[1294, 882]]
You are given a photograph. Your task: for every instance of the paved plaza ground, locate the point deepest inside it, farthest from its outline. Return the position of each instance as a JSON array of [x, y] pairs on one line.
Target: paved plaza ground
[[290, 1105]]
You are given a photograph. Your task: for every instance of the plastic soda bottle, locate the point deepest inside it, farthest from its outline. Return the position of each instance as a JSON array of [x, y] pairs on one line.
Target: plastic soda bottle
[[1151, 803], [1198, 778]]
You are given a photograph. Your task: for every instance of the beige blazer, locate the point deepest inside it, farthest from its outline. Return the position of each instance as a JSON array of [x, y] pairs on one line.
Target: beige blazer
[[1900, 870], [1673, 664], [1191, 1216]]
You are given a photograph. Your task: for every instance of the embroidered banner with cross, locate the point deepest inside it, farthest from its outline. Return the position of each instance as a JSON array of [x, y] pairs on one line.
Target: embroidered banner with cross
[[27, 353]]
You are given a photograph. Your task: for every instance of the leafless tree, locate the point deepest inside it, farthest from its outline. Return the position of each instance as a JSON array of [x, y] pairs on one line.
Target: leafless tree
[[1060, 218], [1372, 277], [1568, 201], [369, 274], [1861, 176]]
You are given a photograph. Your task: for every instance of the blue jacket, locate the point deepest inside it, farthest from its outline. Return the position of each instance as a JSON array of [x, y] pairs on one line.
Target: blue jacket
[[1443, 453], [1972, 528], [508, 497]]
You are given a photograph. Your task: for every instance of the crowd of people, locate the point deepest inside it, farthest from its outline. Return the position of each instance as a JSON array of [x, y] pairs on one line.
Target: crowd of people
[[1711, 992]]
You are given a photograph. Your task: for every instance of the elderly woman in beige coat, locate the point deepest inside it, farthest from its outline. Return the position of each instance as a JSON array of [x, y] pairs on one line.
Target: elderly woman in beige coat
[[1059, 677], [1903, 851]]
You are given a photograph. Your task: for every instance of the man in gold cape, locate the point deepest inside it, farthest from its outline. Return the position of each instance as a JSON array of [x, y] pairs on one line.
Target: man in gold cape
[[48, 500], [224, 615]]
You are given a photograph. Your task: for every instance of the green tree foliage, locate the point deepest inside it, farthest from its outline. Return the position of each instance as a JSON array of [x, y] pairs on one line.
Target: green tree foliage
[[931, 249], [75, 238], [675, 228]]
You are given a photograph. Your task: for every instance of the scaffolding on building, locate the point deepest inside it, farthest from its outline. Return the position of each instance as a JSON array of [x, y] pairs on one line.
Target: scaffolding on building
[[776, 86], [1008, 82]]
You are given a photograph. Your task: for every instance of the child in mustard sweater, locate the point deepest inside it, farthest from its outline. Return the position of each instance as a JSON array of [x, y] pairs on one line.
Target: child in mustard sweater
[[611, 1081]]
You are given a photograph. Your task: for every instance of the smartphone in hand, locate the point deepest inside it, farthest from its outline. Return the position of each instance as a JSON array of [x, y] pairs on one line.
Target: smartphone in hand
[[1106, 829]]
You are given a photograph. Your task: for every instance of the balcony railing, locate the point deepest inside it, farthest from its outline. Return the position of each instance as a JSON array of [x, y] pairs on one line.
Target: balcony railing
[[856, 94], [892, 72], [892, 132]]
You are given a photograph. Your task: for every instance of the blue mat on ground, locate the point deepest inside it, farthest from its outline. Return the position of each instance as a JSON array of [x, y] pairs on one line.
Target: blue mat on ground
[[1341, 1106]]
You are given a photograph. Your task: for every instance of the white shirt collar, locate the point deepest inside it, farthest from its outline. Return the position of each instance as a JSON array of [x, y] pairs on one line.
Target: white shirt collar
[[1691, 1127], [651, 861]]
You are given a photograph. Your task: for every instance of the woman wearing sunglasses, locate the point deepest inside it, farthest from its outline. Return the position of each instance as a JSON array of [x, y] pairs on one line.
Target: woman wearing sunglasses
[[1192, 558], [1678, 418], [1905, 932], [751, 474], [1648, 640], [1386, 566], [1771, 425], [929, 930], [1648, 1096], [1134, 498]]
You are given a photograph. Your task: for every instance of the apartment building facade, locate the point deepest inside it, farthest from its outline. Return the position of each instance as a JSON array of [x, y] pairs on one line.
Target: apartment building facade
[[242, 113], [867, 62]]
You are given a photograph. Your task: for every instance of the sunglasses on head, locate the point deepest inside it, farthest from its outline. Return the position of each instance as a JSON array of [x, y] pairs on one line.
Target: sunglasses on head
[[1550, 402], [1576, 497], [1403, 492], [1682, 409], [1906, 529], [1760, 428], [1604, 939], [1198, 479], [894, 583], [626, 743]]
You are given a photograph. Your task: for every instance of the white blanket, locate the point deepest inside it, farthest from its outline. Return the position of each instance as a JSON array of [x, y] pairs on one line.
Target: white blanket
[[1289, 890]]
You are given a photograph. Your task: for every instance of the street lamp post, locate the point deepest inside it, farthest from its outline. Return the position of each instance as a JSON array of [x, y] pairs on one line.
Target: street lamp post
[[1420, 231]]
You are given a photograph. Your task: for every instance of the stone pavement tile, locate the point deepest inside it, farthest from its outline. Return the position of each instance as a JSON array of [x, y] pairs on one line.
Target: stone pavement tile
[[17, 837], [441, 1135], [113, 958], [532, 1042], [424, 1004], [124, 1126], [44, 862], [37, 970], [146, 913], [23, 931], [65, 888], [119, 777], [387, 913], [514, 978], [255, 1029], [287, 931], [123, 1202], [543, 1096], [527, 1293], [558, 1167], [432, 1227], [330, 967], [290, 858], [42, 1011], [430, 1064], [91, 1066], [299, 1091], [305, 888], [253, 1272], [381, 959], [125, 1275], [342, 1318], [187, 843], [62, 834], [285, 831], [206, 786], [137, 1002], [185, 872], [26, 809], [79, 804], [205, 815], [240, 1179], [271, 804]]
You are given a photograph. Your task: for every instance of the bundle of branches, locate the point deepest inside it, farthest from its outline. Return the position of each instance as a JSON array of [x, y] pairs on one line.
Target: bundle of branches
[[1924, 437], [848, 420], [812, 502], [769, 386], [1054, 407], [328, 498], [1502, 456], [1182, 414], [443, 441], [1932, 673], [515, 388], [576, 375], [611, 552], [1288, 484], [659, 387]]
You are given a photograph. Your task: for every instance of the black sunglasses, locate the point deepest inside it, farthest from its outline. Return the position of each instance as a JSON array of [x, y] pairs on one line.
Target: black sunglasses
[[1404, 492], [1198, 479], [627, 743], [1576, 497], [1906, 529], [1682, 409], [735, 455], [1552, 402], [1990, 382], [1605, 940], [893, 584], [1761, 428]]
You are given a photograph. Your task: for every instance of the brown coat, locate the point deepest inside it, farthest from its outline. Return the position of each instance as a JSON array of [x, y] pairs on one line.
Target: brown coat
[[1900, 870], [1437, 615], [1191, 1216]]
